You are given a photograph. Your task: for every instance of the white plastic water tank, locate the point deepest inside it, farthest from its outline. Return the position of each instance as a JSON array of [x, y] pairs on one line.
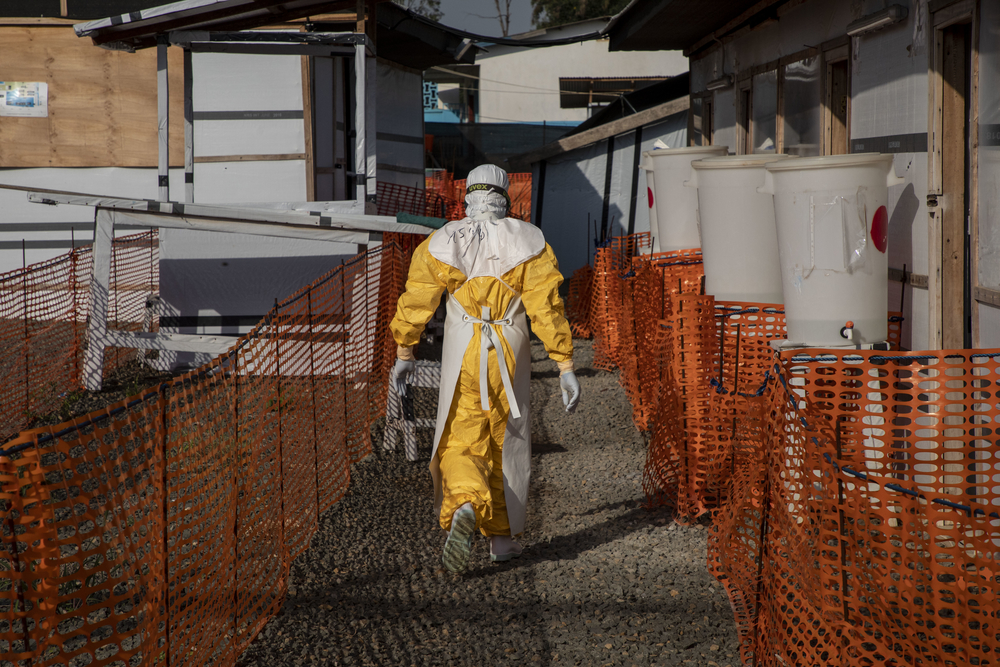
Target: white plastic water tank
[[676, 205], [647, 166], [832, 225], [739, 245]]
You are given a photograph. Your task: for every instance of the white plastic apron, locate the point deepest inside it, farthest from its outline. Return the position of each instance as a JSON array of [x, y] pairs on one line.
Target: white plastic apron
[[459, 330]]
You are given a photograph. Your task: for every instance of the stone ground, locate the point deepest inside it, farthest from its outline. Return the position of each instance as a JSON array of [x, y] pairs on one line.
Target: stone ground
[[602, 581]]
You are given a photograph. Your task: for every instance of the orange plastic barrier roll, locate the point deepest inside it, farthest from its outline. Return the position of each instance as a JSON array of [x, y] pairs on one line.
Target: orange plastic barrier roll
[[43, 318], [161, 529]]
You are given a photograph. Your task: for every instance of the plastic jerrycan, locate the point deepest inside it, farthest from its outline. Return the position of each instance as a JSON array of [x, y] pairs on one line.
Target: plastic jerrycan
[[832, 222]]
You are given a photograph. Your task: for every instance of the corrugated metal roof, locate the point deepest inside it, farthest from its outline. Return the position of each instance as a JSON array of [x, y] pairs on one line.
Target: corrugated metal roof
[[404, 37], [138, 30], [661, 25]]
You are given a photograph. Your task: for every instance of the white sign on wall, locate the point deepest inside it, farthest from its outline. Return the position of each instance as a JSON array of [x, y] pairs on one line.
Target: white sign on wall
[[25, 99]]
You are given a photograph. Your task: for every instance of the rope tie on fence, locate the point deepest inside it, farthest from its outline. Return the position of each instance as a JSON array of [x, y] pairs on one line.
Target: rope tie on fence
[[720, 389], [866, 477], [680, 263], [751, 310]]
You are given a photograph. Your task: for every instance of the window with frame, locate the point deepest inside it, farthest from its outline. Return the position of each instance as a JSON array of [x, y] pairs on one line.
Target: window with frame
[[802, 116], [764, 113]]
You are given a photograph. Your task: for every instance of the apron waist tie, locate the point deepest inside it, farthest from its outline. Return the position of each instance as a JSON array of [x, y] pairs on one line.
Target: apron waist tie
[[488, 343]]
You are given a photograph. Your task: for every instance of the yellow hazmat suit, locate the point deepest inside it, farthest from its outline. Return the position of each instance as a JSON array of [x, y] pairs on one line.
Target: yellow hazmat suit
[[490, 269]]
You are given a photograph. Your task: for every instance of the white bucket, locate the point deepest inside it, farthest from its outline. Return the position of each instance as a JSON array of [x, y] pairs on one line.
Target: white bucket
[[676, 205], [739, 245], [832, 226]]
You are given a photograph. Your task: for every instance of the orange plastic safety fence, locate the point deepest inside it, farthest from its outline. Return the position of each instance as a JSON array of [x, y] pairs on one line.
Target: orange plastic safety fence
[[452, 194], [520, 196], [161, 529], [394, 198], [856, 509], [864, 529], [578, 301], [43, 317]]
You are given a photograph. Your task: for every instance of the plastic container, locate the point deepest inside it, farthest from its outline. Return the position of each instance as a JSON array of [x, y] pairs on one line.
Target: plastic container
[[739, 244], [832, 225], [676, 205], [647, 166]]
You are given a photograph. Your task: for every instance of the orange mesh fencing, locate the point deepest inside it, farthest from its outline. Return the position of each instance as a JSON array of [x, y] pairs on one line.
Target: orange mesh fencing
[[451, 192], [160, 530], [520, 196], [43, 318], [393, 198], [854, 495]]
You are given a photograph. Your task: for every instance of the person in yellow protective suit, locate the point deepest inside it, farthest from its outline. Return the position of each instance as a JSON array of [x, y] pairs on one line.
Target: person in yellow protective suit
[[495, 270]]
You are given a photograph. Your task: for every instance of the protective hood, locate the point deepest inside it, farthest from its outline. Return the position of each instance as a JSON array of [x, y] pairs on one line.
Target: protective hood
[[487, 246]]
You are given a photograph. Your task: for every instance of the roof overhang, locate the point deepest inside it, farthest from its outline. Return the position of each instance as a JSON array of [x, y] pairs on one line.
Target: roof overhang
[[685, 25], [404, 37], [138, 30], [601, 132]]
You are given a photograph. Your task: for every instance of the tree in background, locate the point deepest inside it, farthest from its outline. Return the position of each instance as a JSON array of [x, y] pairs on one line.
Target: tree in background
[[549, 13], [429, 8]]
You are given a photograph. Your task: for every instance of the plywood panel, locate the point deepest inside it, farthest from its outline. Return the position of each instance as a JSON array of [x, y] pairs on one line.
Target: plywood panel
[[102, 104]]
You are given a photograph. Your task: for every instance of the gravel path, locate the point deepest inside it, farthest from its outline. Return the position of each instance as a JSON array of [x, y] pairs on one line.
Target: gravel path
[[602, 581]]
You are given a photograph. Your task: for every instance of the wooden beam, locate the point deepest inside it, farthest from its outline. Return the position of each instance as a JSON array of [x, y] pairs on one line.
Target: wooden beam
[[307, 128], [913, 279], [93, 361], [249, 158], [171, 341], [986, 295], [593, 135]]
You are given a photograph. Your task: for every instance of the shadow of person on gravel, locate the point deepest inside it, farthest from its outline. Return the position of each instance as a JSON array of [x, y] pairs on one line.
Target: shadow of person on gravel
[[569, 547]]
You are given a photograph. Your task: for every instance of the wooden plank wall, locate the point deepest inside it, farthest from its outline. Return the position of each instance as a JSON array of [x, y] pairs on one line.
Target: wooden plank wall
[[102, 104]]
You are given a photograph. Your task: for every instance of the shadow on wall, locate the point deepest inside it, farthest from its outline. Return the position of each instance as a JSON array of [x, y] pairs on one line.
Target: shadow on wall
[[229, 296], [574, 189], [904, 213]]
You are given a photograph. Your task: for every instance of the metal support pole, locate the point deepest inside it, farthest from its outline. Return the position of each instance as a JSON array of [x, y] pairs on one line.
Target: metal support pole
[[360, 140], [93, 361], [371, 144], [188, 128], [163, 118]]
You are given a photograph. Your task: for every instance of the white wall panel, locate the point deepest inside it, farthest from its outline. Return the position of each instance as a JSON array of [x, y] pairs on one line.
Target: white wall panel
[[400, 125], [242, 82], [234, 182], [58, 225], [248, 137], [574, 192]]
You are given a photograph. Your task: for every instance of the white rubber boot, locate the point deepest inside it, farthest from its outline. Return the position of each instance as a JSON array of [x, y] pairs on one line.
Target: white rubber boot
[[458, 546], [503, 548]]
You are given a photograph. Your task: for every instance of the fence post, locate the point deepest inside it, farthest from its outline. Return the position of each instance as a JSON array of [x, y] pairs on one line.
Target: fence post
[[237, 464], [75, 379], [18, 580], [276, 333], [312, 384], [842, 530], [165, 441], [27, 341], [345, 328], [762, 551]]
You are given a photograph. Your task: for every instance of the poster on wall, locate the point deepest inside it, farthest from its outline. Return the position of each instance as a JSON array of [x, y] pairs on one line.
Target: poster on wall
[[25, 99]]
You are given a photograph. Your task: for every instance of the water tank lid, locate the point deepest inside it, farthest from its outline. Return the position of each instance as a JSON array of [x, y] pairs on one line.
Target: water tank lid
[[738, 161], [829, 161], [706, 150]]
